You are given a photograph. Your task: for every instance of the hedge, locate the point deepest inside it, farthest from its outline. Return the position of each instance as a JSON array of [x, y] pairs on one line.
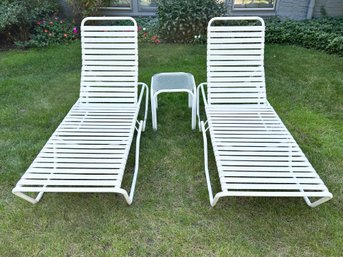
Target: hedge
[[324, 34]]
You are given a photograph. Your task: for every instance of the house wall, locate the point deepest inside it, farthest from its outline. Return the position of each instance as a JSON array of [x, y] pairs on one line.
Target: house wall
[[292, 9], [330, 7]]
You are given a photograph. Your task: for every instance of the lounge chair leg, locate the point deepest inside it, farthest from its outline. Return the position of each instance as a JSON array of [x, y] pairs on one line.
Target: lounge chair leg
[[138, 140], [129, 198], [318, 202], [29, 198], [213, 201], [125, 194], [217, 197], [144, 88]]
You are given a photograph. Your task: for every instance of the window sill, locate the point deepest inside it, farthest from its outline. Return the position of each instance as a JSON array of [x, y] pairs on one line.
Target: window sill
[[117, 8]]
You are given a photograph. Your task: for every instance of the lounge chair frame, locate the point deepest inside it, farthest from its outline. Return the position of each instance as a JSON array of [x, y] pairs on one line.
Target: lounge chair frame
[[298, 179], [112, 117]]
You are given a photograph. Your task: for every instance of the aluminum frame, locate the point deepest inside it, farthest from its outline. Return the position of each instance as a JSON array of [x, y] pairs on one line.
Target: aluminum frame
[[255, 153], [89, 149]]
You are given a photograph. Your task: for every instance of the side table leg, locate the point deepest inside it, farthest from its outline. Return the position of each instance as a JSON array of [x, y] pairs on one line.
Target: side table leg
[[190, 100], [153, 112], [194, 107]]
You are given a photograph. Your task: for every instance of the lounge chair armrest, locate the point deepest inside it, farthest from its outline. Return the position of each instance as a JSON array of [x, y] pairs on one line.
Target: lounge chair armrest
[[144, 87], [201, 86]]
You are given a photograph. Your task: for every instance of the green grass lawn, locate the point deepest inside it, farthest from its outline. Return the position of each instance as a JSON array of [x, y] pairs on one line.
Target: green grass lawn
[[170, 215]]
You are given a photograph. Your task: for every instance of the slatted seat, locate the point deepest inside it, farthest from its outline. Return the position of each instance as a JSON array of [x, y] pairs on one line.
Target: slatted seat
[[89, 149], [254, 152]]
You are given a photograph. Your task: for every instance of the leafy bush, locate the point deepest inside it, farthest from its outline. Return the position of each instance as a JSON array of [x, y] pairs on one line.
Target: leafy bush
[[324, 34], [146, 36], [148, 30], [51, 31], [84, 8], [148, 23], [17, 17], [181, 20]]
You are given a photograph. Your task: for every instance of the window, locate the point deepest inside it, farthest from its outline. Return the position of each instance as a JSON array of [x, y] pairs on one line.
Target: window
[[147, 5], [254, 4], [121, 4]]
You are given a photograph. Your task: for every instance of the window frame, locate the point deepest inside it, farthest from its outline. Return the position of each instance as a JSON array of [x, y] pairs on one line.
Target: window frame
[[253, 8], [119, 7], [145, 9]]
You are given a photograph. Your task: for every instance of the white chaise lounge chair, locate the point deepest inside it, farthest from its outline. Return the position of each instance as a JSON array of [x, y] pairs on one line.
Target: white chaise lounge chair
[[254, 152], [89, 149]]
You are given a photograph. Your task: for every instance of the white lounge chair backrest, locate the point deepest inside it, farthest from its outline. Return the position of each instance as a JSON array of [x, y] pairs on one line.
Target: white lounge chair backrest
[[235, 71], [109, 61]]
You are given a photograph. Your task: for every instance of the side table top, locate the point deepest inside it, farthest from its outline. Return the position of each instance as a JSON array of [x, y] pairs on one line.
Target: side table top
[[172, 80]]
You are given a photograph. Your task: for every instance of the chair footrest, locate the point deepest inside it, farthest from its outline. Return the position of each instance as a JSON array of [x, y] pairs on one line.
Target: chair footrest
[[86, 153], [257, 156]]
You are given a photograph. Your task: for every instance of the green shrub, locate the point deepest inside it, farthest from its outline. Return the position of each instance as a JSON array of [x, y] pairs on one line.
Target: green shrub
[[324, 34], [180, 21], [147, 30], [18, 17], [84, 8], [146, 36], [148, 23], [50, 31]]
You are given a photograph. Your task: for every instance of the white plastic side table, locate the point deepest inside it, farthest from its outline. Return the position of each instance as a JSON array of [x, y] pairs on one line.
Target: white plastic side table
[[172, 82]]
